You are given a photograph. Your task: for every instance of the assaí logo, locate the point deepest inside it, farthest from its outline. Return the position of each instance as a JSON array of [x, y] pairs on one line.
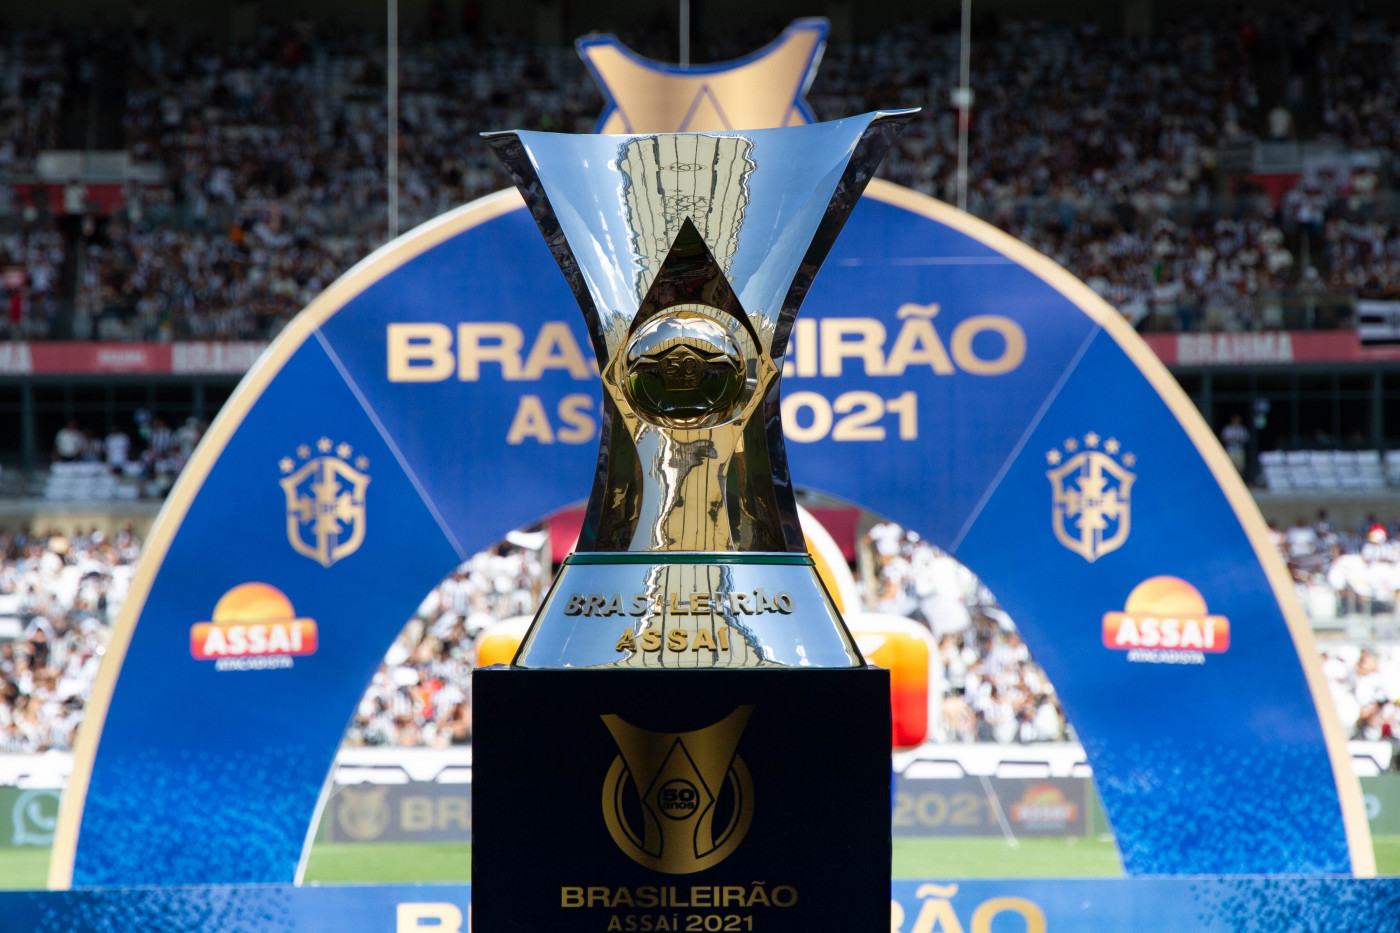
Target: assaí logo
[[1044, 806], [253, 628], [1165, 621]]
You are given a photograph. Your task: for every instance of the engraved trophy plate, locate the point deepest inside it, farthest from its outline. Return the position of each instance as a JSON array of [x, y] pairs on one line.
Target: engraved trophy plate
[[688, 615]]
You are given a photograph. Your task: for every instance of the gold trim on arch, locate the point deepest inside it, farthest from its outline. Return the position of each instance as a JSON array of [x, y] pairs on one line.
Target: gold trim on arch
[[1358, 829], [365, 273]]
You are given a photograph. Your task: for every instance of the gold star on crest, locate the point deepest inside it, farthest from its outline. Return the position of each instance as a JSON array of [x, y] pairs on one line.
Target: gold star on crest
[[1071, 444], [1111, 445], [303, 451], [1091, 439], [286, 463], [362, 463], [344, 451], [324, 445], [1052, 457], [1129, 459]]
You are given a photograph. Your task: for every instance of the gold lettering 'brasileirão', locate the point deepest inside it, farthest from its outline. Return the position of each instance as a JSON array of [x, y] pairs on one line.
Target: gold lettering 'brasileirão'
[[753, 602], [826, 347]]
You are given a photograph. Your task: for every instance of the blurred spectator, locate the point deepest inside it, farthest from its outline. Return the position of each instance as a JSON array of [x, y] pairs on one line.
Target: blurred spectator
[[148, 466], [69, 442], [116, 448], [1235, 437], [1365, 692]]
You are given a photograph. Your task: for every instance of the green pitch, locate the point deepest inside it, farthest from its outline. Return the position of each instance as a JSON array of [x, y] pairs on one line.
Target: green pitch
[[913, 858], [340, 863], [24, 869]]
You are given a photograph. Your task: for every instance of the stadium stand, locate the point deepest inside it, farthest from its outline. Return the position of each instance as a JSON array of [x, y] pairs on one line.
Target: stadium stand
[[86, 482], [1319, 470], [88, 469], [1207, 188]]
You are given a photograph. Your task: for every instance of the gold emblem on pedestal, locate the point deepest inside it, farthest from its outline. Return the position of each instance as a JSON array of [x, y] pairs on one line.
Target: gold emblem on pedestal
[[683, 780]]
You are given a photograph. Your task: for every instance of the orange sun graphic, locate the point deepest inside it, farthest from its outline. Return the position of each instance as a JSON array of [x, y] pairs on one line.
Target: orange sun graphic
[[253, 602]]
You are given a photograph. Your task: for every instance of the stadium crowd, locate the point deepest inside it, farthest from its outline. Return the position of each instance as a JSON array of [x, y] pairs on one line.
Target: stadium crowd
[[421, 694], [150, 458], [58, 599], [1358, 567], [1113, 155], [33, 77], [1357, 571], [59, 596], [992, 690]]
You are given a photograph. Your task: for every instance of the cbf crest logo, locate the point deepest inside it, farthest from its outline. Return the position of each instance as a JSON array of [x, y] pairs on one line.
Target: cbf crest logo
[[695, 793], [325, 501], [1091, 489]]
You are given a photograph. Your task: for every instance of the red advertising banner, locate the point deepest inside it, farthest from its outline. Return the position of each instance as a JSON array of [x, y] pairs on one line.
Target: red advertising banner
[[210, 357], [196, 358], [101, 199], [1262, 348]]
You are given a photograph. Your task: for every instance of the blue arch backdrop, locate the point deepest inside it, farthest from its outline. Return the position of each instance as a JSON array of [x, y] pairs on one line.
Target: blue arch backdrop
[[442, 393]]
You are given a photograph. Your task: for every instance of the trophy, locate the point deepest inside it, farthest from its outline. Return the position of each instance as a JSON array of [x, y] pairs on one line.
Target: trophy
[[688, 737]]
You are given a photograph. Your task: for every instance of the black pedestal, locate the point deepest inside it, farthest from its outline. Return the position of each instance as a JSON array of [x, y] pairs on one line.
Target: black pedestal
[[754, 801]]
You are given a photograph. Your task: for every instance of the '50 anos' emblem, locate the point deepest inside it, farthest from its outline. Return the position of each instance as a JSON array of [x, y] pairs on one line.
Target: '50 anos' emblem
[[696, 794]]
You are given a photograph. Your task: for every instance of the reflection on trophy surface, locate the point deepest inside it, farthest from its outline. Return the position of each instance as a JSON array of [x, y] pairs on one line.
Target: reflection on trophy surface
[[690, 254], [678, 177]]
